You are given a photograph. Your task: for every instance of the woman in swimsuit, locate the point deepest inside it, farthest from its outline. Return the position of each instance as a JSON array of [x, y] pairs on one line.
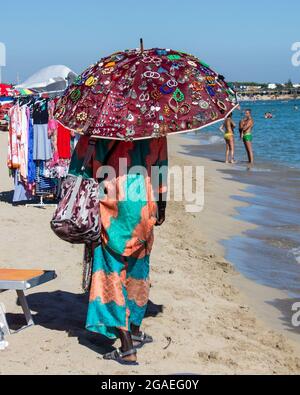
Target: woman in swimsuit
[[228, 129], [246, 126]]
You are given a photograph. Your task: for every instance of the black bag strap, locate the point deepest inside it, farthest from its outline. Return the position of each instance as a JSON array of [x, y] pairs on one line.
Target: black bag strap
[[110, 152], [89, 153]]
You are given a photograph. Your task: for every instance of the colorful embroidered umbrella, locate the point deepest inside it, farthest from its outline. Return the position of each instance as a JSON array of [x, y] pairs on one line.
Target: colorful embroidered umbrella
[[140, 94]]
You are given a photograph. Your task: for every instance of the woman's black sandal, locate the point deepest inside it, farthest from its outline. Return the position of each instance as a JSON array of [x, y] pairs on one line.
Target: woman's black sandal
[[142, 339], [118, 356]]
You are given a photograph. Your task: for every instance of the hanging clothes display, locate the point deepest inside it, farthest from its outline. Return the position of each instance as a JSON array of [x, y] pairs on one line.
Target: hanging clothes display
[[44, 185], [63, 142], [42, 144], [13, 159], [62, 147], [5, 105], [34, 159], [31, 162]]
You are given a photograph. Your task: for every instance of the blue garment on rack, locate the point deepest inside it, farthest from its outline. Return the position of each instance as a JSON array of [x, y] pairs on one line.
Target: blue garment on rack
[[31, 163], [44, 185], [42, 149], [20, 194]]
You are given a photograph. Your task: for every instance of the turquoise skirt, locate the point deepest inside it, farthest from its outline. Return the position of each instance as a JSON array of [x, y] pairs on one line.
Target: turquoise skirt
[[119, 292]]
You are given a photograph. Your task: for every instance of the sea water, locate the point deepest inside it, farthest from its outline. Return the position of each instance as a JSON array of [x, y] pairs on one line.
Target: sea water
[[270, 253]]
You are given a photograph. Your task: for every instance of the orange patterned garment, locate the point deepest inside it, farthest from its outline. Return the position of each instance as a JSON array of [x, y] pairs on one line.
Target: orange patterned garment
[[128, 208]]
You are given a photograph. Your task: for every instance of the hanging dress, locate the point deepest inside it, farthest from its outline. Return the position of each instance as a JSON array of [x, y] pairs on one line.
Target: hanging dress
[[13, 159], [42, 150]]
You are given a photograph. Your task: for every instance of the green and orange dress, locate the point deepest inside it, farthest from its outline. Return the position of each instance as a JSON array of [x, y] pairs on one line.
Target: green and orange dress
[[120, 283]]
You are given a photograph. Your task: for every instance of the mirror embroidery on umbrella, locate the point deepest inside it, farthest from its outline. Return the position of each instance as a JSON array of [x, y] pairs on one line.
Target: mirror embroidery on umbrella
[[134, 94]]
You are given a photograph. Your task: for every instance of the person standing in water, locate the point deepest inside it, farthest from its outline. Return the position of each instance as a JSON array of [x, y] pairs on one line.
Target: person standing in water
[[246, 127], [228, 129]]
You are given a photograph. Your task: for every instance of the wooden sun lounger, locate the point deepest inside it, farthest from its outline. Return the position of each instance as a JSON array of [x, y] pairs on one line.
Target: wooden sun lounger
[[21, 281]]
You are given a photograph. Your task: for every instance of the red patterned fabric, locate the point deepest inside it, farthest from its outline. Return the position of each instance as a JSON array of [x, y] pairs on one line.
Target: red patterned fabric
[[63, 142], [6, 90]]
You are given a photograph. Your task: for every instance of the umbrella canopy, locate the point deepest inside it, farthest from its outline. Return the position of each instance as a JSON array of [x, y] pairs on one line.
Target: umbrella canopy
[[6, 90], [141, 94]]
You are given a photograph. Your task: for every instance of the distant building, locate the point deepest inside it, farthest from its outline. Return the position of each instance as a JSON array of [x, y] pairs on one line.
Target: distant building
[[272, 86]]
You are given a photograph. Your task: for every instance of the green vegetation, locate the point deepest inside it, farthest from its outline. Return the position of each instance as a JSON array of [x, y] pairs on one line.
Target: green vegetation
[[248, 87]]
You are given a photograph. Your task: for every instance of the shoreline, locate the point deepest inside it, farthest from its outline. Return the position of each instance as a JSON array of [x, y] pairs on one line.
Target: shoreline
[[266, 302], [206, 326], [269, 303]]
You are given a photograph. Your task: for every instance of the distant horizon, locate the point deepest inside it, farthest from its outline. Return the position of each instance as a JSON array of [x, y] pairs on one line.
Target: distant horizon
[[264, 83], [245, 82], [242, 42], [231, 82]]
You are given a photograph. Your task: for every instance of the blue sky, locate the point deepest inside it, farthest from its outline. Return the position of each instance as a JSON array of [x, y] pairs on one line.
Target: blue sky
[[245, 41]]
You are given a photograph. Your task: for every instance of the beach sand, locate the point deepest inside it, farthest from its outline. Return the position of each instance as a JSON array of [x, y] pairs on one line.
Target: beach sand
[[205, 327]]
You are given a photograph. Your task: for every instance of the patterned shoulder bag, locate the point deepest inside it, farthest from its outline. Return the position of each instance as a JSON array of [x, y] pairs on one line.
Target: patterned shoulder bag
[[77, 218]]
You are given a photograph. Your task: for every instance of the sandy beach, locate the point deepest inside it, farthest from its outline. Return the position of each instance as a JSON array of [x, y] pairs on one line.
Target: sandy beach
[[206, 325]]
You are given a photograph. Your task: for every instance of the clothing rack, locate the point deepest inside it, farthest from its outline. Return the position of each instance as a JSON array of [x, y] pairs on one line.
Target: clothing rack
[[45, 188], [41, 205]]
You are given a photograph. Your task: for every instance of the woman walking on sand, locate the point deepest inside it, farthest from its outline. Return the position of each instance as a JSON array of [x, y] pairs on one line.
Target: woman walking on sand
[[130, 206], [228, 129]]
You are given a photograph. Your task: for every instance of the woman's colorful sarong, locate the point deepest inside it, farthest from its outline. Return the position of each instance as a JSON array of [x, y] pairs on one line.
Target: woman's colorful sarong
[[120, 283]]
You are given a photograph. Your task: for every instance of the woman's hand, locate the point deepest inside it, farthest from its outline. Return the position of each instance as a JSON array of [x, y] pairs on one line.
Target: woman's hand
[[161, 217], [161, 210]]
